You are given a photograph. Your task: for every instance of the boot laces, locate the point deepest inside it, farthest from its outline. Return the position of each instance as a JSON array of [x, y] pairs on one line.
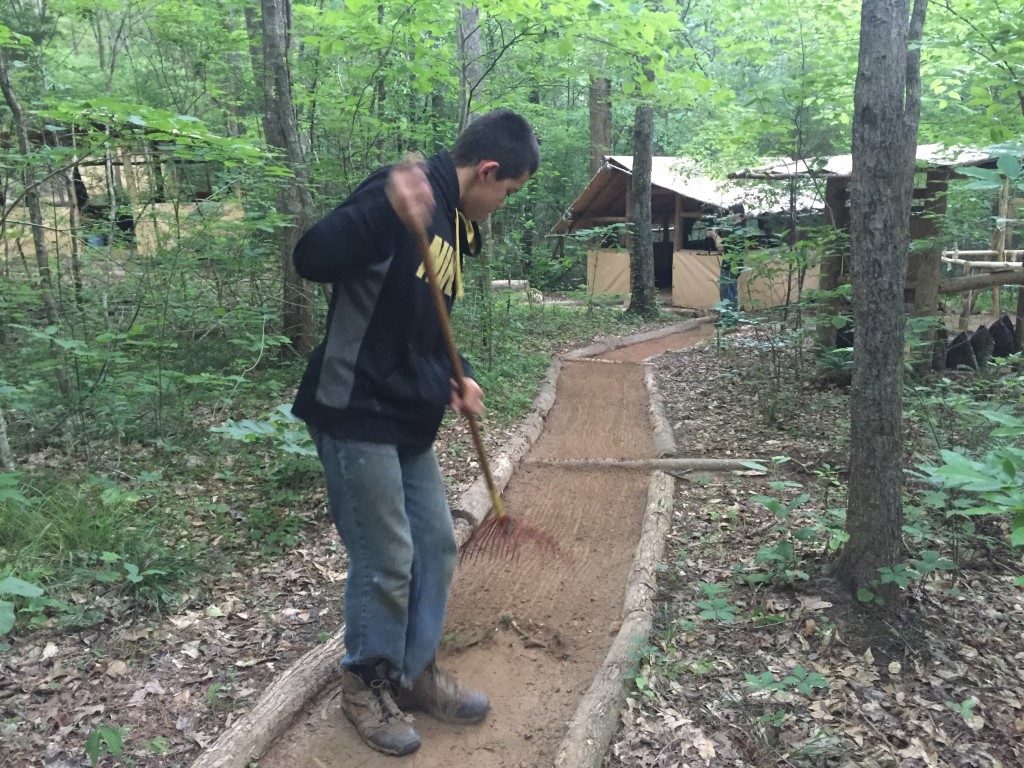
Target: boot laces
[[389, 710]]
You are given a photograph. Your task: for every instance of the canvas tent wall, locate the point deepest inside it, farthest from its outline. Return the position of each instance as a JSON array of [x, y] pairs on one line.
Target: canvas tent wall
[[694, 280], [680, 197]]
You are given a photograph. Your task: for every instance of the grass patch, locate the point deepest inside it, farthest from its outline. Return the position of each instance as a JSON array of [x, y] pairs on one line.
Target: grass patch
[[93, 536]]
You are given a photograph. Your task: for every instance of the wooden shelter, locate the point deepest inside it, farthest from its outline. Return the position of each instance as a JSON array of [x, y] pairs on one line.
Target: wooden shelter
[[936, 165], [681, 199]]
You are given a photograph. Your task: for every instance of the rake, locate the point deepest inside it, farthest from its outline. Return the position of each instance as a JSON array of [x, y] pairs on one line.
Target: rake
[[500, 534]]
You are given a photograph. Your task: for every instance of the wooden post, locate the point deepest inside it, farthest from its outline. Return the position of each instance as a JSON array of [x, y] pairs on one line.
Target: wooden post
[[628, 237], [966, 302], [925, 268], [999, 240], [678, 233]]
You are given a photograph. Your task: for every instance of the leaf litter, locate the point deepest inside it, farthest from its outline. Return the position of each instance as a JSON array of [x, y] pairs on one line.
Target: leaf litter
[[791, 671]]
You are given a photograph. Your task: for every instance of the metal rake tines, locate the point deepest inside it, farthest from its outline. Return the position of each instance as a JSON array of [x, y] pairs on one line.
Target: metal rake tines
[[503, 536]]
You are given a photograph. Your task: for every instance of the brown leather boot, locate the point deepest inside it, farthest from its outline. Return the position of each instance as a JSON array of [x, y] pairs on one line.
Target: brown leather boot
[[374, 713], [439, 695]]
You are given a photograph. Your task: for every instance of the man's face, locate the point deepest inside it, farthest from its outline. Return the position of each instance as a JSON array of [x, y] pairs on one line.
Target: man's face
[[487, 193]]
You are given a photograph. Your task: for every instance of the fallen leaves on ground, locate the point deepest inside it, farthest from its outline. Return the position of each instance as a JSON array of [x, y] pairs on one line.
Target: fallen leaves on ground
[[798, 674], [173, 682]]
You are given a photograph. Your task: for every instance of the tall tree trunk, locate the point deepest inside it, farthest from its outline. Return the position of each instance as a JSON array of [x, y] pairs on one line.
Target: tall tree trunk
[[74, 231], [642, 300], [600, 121], [886, 111], [281, 130], [35, 214], [471, 58]]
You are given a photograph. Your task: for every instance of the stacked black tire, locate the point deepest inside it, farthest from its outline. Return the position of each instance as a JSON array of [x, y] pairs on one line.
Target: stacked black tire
[[974, 350]]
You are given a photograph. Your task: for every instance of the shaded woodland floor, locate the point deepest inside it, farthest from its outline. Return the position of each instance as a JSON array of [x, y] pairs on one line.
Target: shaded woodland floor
[[757, 659]]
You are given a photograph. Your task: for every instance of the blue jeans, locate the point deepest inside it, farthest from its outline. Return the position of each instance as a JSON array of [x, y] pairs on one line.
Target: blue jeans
[[390, 508]]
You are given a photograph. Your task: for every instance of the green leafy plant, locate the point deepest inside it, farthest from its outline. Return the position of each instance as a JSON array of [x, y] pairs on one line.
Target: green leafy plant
[[715, 607], [158, 745], [13, 587], [966, 710], [799, 679], [993, 484], [273, 531], [899, 574], [105, 740], [280, 427], [903, 574], [781, 558], [93, 533], [1008, 168]]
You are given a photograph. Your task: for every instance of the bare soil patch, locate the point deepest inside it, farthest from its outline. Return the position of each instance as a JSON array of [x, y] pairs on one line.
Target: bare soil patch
[[600, 412]]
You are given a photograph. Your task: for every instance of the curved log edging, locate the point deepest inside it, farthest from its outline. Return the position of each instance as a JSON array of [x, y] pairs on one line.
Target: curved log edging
[[664, 439]]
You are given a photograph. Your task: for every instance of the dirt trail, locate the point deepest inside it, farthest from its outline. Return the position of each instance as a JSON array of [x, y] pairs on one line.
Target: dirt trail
[[533, 632], [637, 353]]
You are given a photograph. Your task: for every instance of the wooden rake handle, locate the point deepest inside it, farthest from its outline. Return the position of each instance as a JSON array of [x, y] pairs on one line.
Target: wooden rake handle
[[420, 235]]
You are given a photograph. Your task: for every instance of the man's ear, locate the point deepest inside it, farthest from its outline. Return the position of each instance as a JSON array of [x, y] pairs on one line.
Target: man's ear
[[487, 167]]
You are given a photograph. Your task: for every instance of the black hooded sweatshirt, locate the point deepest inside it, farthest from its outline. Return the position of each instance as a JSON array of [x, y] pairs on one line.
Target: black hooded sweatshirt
[[382, 373]]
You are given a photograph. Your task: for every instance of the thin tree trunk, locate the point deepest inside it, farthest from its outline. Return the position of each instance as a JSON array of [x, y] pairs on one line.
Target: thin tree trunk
[[97, 28], [600, 121], [74, 231], [886, 111], [471, 74], [642, 300], [294, 200], [36, 218], [380, 95], [528, 236], [6, 459], [311, 93], [470, 56]]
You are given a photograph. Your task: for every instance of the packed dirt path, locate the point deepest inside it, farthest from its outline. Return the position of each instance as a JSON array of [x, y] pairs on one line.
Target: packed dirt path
[[531, 632], [637, 353]]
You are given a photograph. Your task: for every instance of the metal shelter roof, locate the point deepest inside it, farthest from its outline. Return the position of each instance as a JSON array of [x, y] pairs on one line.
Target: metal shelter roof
[[929, 155], [605, 195]]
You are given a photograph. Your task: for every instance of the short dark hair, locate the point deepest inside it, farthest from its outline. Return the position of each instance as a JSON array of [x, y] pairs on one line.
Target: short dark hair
[[503, 136]]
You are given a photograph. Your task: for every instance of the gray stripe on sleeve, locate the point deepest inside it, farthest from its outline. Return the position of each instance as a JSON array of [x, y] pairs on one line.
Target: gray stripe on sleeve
[[352, 314]]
